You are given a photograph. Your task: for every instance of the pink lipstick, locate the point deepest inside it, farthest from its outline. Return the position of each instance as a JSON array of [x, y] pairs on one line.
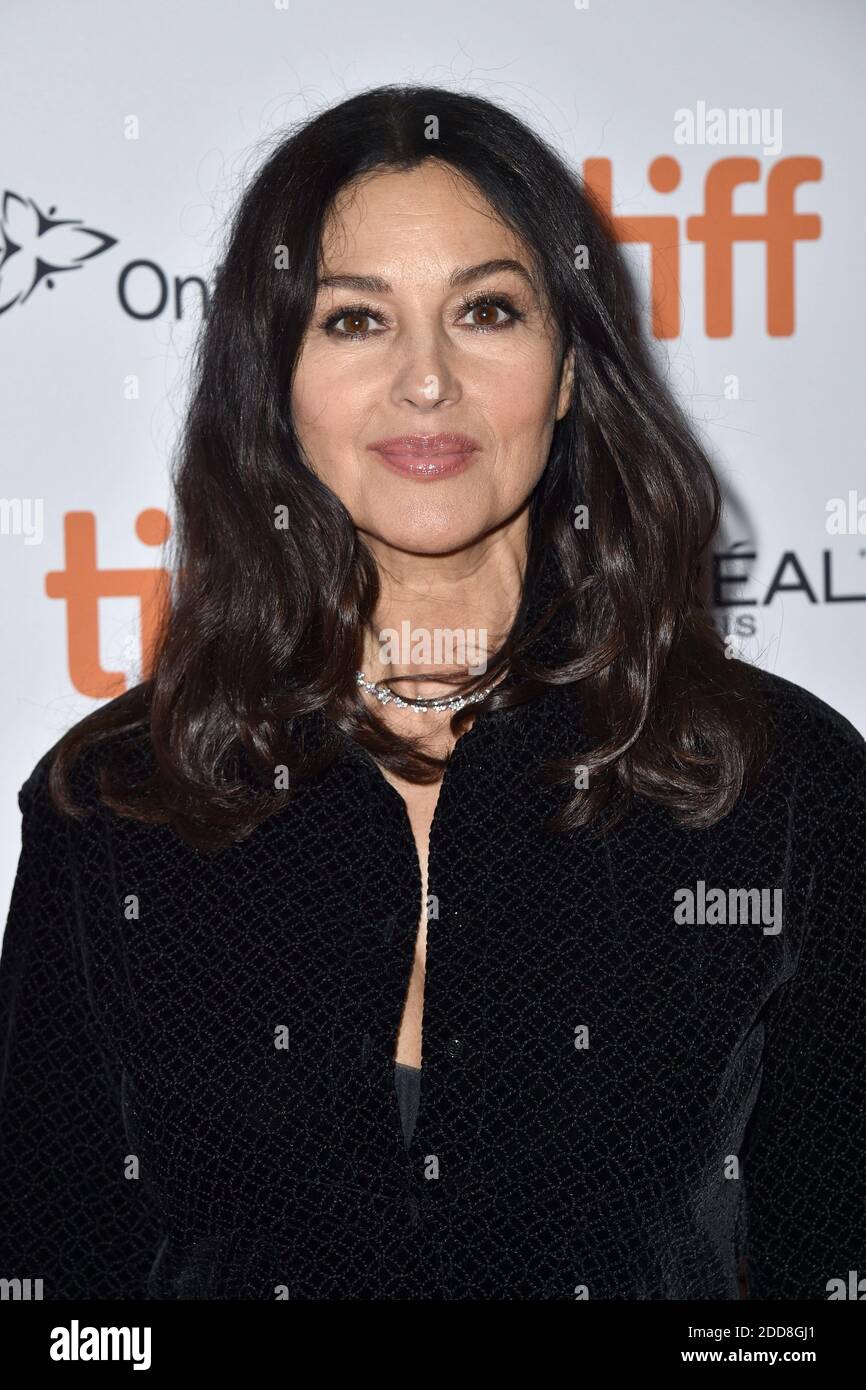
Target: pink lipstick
[[426, 456]]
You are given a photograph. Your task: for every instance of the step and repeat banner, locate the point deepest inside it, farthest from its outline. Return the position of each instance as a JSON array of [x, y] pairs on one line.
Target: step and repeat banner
[[726, 142]]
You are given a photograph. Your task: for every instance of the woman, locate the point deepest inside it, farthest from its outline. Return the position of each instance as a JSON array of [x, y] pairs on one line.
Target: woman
[[618, 878]]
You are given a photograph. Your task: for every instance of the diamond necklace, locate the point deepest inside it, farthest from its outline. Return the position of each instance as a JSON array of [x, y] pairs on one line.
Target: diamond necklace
[[421, 705]]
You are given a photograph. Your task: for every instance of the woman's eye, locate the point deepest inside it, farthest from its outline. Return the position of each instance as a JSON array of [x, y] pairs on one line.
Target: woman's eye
[[357, 324], [488, 310]]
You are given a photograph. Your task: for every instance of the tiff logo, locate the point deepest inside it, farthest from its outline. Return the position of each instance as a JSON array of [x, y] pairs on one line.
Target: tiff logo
[[82, 583], [718, 228]]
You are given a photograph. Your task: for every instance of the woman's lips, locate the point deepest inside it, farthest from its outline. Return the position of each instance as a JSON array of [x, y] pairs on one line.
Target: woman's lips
[[426, 457]]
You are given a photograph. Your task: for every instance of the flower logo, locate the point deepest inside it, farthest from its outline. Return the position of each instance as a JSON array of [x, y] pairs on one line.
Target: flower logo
[[34, 246]]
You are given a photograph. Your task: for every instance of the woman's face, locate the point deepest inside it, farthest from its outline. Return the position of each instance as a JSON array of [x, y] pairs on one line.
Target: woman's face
[[405, 358]]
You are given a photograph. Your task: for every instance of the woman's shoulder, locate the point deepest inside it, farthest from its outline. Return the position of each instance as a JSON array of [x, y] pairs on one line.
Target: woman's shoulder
[[813, 738], [799, 713], [129, 747], [124, 750]]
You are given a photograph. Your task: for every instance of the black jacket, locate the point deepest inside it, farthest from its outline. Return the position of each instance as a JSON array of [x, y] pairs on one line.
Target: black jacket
[[198, 1101]]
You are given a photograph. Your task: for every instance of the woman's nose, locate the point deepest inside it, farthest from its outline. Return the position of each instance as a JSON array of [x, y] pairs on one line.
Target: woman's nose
[[426, 375]]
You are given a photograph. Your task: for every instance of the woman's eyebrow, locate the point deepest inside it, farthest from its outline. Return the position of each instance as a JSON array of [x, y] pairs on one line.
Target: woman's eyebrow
[[463, 275]]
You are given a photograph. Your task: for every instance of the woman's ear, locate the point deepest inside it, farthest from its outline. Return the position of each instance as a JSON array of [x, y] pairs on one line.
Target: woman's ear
[[566, 384]]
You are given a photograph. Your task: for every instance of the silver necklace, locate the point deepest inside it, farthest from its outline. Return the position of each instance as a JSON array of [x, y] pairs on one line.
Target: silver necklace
[[421, 705]]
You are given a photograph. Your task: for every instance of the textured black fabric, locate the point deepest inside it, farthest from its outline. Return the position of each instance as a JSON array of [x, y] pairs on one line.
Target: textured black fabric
[[538, 1169], [407, 1080]]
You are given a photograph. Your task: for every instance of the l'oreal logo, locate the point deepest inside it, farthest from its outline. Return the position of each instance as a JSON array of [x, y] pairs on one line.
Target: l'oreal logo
[[790, 576]]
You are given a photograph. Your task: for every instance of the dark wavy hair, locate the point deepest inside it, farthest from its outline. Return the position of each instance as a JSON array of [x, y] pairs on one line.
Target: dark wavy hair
[[265, 625]]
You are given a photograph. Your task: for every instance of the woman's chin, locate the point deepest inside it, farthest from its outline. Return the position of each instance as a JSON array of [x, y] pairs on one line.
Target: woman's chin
[[433, 537]]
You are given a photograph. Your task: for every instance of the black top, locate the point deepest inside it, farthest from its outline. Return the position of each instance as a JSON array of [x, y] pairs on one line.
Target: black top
[[198, 1092]]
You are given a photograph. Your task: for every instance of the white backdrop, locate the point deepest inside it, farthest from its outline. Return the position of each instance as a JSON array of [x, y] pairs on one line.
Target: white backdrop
[[127, 133]]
